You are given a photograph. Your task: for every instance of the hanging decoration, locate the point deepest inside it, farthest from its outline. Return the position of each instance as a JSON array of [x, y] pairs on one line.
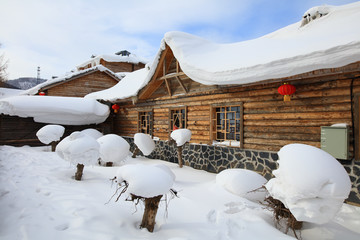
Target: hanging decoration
[[115, 107], [286, 90], [42, 93]]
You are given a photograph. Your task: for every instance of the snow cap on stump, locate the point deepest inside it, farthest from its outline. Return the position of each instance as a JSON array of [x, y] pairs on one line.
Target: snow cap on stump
[[146, 180], [310, 182], [181, 136], [79, 148], [145, 143], [50, 133], [113, 148]]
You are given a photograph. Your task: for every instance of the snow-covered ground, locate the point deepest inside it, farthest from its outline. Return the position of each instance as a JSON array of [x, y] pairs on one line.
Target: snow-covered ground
[[39, 199]]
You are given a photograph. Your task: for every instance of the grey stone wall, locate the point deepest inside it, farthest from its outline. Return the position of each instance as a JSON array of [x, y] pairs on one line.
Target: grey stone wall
[[215, 159]]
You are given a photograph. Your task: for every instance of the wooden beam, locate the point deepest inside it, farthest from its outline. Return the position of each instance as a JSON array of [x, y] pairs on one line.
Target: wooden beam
[[181, 84], [168, 86], [171, 75]]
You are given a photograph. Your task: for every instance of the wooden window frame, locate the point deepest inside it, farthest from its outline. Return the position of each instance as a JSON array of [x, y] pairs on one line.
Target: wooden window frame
[[145, 112], [213, 121], [171, 120]]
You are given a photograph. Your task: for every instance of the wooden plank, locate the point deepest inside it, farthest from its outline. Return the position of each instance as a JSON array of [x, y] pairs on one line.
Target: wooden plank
[[307, 115], [167, 83]]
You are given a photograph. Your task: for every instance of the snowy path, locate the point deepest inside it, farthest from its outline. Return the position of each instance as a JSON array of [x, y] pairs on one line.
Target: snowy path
[[39, 199]]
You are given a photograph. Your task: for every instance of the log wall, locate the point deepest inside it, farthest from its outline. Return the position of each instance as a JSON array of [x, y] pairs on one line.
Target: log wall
[[321, 99], [83, 85]]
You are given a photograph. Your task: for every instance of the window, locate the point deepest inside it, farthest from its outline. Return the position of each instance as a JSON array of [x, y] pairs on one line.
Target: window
[[145, 122], [177, 118], [227, 124]]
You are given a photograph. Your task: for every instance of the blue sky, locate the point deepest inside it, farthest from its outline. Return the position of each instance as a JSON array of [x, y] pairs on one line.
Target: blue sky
[[58, 35]]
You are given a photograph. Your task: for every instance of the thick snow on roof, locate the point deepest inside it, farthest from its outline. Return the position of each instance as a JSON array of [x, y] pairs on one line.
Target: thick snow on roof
[[128, 86], [330, 41], [34, 90], [132, 58], [56, 110]]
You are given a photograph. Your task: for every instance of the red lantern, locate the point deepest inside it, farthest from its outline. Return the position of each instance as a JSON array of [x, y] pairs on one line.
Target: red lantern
[[175, 127], [286, 90], [115, 107], [42, 93]]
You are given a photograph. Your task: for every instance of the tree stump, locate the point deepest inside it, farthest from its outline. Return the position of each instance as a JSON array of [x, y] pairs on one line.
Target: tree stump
[[151, 207], [179, 151], [136, 152], [79, 171]]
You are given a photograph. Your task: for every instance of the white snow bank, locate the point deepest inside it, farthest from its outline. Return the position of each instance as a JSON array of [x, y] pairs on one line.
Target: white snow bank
[[242, 182], [9, 92], [79, 148], [181, 136], [113, 148], [144, 142], [50, 133], [92, 133], [145, 180], [56, 110], [310, 182], [127, 87], [331, 41]]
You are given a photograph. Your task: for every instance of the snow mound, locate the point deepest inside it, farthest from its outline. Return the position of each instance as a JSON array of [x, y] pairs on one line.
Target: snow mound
[[50, 133], [145, 143], [242, 182], [315, 13], [113, 148], [310, 182], [181, 136], [145, 180], [79, 148], [92, 133]]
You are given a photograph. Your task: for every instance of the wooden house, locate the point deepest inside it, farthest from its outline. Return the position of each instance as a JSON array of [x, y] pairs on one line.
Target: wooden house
[[227, 95]]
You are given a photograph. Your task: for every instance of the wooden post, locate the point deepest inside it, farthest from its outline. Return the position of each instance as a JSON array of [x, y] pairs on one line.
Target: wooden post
[[79, 172], [136, 151], [179, 151], [151, 207]]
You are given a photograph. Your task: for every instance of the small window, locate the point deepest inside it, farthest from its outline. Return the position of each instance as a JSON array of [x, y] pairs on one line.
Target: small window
[[145, 122], [177, 118], [227, 125]]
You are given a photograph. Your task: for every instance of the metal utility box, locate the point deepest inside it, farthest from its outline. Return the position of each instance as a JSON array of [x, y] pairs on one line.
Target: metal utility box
[[335, 140]]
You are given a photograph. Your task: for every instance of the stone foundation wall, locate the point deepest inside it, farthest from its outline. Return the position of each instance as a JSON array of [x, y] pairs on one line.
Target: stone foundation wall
[[215, 159]]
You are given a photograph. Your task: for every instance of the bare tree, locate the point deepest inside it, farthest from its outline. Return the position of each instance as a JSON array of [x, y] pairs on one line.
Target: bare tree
[[3, 66]]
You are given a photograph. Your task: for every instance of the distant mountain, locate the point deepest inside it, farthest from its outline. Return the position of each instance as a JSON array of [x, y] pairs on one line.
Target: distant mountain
[[25, 82]]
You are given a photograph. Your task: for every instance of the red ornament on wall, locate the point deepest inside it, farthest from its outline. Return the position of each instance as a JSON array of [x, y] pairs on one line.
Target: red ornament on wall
[[286, 90], [115, 107], [42, 93]]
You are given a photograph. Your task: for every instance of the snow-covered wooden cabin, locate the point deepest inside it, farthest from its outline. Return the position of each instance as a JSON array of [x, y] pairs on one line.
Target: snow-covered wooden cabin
[[227, 94], [96, 74]]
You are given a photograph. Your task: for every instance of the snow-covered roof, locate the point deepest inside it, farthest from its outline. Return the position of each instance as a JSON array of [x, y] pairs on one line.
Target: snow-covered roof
[[9, 92], [68, 76], [56, 110], [131, 58], [332, 40]]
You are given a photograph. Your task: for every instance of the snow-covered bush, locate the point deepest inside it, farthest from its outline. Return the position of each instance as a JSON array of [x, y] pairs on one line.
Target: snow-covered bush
[[92, 132], [113, 149], [310, 183], [242, 182], [181, 136], [144, 143], [147, 183], [79, 148], [50, 134]]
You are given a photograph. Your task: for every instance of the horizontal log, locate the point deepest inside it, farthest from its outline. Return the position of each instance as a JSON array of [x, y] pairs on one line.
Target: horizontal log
[[283, 129], [280, 136], [275, 142], [300, 109], [308, 115], [297, 122], [198, 118], [198, 123]]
